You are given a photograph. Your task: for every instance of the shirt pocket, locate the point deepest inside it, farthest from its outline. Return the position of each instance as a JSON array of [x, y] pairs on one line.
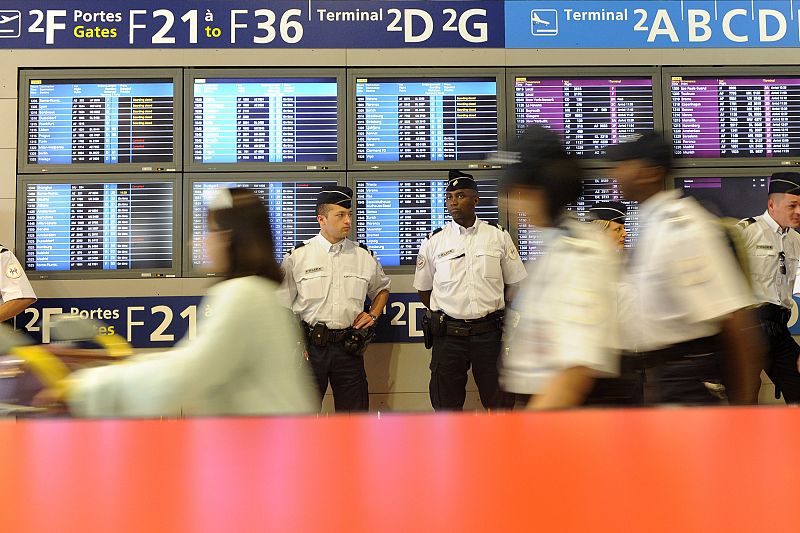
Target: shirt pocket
[[313, 285], [355, 285], [445, 269], [488, 262], [764, 264]]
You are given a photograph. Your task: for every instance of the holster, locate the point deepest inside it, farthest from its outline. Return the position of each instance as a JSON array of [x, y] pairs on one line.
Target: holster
[[319, 335], [355, 341], [427, 335]]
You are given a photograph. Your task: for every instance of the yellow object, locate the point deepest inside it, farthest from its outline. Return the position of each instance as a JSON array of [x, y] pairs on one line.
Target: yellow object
[[114, 344], [50, 370]]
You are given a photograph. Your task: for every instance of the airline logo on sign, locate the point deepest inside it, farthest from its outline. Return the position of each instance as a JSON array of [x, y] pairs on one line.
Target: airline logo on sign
[[544, 22]]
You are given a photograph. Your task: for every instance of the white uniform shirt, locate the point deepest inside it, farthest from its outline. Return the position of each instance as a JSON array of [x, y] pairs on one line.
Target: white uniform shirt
[[328, 283], [565, 313], [467, 269], [13, 283], [683, 276], [765, 240], [245, 360]]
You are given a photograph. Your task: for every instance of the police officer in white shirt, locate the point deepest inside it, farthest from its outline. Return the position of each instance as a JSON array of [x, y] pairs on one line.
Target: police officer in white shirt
[[463, 271], [774, 251], [15, 289], [561, 333], [690, 296], [327, 280]]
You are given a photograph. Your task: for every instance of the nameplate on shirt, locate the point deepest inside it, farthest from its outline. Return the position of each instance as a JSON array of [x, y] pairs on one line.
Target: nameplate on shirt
[[445, 254], [764, 247], [315, 269]]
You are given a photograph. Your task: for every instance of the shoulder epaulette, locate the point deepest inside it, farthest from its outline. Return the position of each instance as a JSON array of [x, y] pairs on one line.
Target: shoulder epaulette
[[3, 249], [364, 246], [296, 246], [496, 225], [746, 222], [434, 232]]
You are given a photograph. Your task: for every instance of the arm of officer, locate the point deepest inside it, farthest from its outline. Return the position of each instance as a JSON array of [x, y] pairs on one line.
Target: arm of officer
[[15, 288], [567, 389], [744, 348], [288, 289], [378, 292], [12, 308], [423, 276]]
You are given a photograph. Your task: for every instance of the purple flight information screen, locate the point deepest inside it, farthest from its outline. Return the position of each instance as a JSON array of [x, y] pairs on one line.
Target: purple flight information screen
[[590, 113], [735, 117], [730, 196]]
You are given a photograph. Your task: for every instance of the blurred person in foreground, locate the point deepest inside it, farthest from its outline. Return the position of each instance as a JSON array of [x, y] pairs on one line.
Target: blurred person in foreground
[[562, 334], [694, 330], [245, 358], [774, 252]]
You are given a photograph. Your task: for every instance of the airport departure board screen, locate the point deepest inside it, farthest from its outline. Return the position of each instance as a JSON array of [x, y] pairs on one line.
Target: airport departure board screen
[[425, 119], [735, 117], [103, 121], [265, 120], [595, 190], [100, 226], [394, 217], [589, 113], [292, 207], [733, 196]]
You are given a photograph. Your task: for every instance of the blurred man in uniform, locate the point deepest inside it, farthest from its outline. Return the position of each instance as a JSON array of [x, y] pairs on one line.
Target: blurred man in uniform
[[774, 251], [463, 273], [690, 295], [561, 334], [15, 289], [327, 280]]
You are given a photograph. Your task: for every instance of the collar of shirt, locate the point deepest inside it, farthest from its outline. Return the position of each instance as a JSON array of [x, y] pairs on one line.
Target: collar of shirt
[[655, 202], [327, 246], [774, 225], [461, 230]]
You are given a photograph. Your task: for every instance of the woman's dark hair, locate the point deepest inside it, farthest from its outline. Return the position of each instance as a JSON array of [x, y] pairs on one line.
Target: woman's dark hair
[[543, 163], [252, 248]]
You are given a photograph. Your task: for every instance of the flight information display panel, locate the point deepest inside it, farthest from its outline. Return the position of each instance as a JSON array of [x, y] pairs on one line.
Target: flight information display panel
[[735, 117], [292, 207], [425, 119], [265, 120], [101, 121], [595, 190], [394, 217], [733, 196], [85, 226], [589, 113]]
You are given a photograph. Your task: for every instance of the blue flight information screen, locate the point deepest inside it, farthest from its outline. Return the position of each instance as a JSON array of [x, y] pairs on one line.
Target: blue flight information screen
[[425, 119], [292, 207], [99, 226], [286, 120], [101, 121], [394, 217]]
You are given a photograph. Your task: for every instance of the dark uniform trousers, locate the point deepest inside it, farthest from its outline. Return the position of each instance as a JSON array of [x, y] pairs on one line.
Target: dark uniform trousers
[[451, 358], [625, 390], [781, 364], [346, 374], [680, 373]]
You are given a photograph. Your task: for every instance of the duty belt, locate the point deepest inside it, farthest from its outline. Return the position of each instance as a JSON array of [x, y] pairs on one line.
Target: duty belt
[[774, 313], [693, 349], [329, 336], [464, 328]]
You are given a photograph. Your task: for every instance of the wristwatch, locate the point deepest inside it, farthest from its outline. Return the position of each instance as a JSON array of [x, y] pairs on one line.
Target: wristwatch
[[373, 317]]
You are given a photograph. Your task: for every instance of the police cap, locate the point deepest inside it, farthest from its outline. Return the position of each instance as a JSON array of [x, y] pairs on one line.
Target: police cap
[[785, 182], [650, 146], [337, 195], [460, 180], [613, 211]]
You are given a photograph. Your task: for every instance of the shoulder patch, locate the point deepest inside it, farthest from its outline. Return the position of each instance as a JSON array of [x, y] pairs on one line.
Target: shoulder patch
[[364, 246], [434, 232], [496, 225], [746, 222], [296, 246]]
